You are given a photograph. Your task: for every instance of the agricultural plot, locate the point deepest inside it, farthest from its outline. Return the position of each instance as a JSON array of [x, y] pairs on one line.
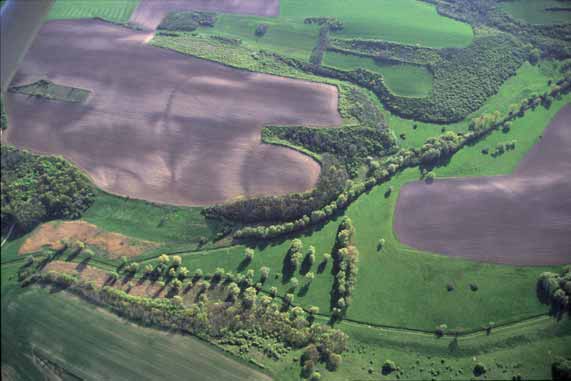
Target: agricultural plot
[[112, 10], [539, 11], [52, 91], [149, 144], [482, 218]]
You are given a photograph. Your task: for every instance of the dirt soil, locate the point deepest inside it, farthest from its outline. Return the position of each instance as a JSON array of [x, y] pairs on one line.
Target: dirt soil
[[520, 219], [150, 13], [116, 245], [160, 125]]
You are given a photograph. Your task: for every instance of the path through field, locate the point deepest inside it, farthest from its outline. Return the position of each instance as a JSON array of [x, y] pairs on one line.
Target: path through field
[[520, 219], [160, 125]]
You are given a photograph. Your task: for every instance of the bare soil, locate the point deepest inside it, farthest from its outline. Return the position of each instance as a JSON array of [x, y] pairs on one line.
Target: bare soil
[[150, 13], [116, 245], [160, 125], [520, 219]]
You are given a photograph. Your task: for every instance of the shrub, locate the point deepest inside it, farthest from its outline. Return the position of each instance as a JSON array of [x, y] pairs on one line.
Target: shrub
[[389, 366], [333, 362], [479, 369], [261, 30]]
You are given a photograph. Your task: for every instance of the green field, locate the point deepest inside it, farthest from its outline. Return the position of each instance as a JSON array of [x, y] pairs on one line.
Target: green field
[[40, 325], [392, 20], [401, 79], [112, 10], [534, 11]]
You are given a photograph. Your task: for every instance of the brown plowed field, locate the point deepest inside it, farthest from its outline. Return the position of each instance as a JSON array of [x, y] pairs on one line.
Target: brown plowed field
[[150, 13], [160, 125], [521, 219]]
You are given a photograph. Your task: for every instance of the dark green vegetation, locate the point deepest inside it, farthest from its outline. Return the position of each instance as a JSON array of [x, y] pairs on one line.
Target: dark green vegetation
[[187, 21], [538, 11], [3, 116], [112, 10], [49, 90], [40, 188], [555, 289]]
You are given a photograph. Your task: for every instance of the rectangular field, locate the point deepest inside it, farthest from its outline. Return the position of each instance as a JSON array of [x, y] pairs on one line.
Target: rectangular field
[[112, 10]]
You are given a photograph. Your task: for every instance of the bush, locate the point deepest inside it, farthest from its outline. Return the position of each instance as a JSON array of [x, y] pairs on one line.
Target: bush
[[388, 367], [479, 369], [261, 30]]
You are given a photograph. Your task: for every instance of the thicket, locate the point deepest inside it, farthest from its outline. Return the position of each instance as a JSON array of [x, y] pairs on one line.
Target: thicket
[[345, 269], [432, 153], [332, 181], [38, 188], [561, 369], [261, 30], [385, 51], [187, 21], [262, 319], [351, 145], [331, 22], [555, 290], [318, 51]]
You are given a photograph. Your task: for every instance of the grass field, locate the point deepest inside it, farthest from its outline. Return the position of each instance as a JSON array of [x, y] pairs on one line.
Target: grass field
[[401, 79], [112, 10], [392, 20], [534, 11], [38, 324]]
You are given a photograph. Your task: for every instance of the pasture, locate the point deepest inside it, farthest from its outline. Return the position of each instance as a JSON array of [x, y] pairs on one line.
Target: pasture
[[543, 12], [402, 79], [112, 10]]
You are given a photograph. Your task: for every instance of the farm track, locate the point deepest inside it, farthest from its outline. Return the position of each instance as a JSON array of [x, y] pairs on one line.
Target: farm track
[[519, 219], [189, 135]]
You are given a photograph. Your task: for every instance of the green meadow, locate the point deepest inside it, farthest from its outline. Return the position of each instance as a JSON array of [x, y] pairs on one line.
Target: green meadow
[[402, 79], [112, 10], [534, 11]]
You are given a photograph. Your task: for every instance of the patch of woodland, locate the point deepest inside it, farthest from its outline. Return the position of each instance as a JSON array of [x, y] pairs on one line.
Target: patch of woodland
[[463, 78], [36, 188], [350, 145], [435, 152], [554, 289], [551, 40], [187, 21], [3, 115], [345, 268]]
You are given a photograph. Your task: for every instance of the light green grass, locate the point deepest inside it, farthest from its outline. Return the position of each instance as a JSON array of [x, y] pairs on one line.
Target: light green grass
[[403, 21], [533, 11], [402, 79], [91, 343], [145, 220], [112, 10]]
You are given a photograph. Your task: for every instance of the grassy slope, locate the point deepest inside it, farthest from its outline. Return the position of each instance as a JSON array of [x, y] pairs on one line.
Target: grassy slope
[[393, 20], [49, 323], [113, 10], [405, 80], [533, 11]]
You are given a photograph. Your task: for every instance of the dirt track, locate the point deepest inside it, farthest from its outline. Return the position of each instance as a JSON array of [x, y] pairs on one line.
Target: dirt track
[[150, 13], [163, 126], [521, 219]]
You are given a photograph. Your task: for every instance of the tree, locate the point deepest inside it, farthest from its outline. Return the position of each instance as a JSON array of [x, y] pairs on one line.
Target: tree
[[381, 244], [249, 298], [296, 245], [249, 254], [534, 56], [288, 298], [561, 369], [148, 270], [326, 257], [132, 268], [176, 260], [273, 291], [183, 272], [389, 366], [198, 273], [294, 283], [441, 330], [309, 276], [164, 259], [172, 272], [177, 300], [479, 369], [176, 285], [264, 273], [333, 361], [313, 310]]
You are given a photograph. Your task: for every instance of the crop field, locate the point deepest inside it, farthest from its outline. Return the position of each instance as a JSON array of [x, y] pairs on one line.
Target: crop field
[[42, 329], [402, 79], [494, 232], [538, 11], [151, 168], [112, 10]]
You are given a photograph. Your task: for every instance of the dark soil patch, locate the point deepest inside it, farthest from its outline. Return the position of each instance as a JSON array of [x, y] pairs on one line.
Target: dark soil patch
[[150, 13], [160, 125], [521, 219]]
